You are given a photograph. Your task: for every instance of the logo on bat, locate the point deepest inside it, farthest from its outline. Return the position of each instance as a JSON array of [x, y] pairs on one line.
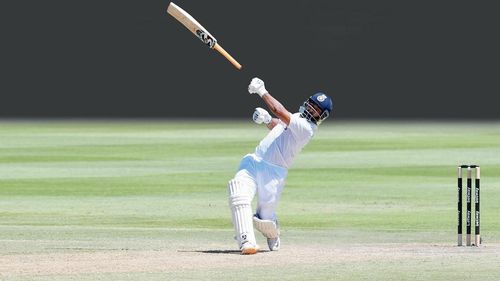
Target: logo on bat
[[205, 38]]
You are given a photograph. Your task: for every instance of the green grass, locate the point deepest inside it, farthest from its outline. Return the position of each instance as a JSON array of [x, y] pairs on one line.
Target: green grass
[[67, 186]]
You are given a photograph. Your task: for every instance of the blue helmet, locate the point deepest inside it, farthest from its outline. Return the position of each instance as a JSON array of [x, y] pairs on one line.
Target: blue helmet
[[317, 108]]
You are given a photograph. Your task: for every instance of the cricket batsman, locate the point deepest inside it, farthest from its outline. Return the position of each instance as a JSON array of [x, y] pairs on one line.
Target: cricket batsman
[[264, 171]]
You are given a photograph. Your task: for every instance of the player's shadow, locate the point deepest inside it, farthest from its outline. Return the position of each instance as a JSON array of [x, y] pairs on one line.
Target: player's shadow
[[227, 252]]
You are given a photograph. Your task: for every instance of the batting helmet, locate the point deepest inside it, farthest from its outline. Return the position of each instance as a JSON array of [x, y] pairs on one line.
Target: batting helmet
[[317, 108]]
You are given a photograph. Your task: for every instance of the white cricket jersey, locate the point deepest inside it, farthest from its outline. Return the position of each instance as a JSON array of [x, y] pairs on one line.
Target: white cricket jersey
[[284, 142]]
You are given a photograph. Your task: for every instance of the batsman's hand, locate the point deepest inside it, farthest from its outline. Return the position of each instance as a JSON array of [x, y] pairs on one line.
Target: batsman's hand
[[261, 116], [257, 87]]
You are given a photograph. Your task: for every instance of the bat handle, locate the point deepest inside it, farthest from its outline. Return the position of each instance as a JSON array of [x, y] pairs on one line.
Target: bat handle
[[227, 56]]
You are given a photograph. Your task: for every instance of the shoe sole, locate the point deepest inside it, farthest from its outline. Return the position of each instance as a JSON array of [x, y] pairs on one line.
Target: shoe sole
[[249, 251]]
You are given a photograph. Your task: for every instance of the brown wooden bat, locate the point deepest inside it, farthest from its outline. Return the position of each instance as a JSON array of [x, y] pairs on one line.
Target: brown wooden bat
[[195, 27]]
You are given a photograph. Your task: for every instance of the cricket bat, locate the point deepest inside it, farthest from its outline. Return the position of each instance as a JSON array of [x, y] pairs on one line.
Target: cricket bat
[[197, 29]]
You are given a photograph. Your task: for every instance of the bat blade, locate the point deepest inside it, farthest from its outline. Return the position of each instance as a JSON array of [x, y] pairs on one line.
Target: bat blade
[[193, 25], [199, 31]]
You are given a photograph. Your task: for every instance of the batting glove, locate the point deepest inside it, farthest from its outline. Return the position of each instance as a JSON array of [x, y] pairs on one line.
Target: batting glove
[[261, 116], [257, 87]]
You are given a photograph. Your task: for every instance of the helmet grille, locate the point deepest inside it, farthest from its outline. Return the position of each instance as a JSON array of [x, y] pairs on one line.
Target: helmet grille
[[308, 111]]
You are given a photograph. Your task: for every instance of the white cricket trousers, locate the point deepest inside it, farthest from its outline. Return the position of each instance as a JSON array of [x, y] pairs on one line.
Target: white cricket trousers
[[265, 179]]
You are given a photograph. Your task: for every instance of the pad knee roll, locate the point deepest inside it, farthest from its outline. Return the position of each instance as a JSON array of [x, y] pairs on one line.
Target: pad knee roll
[[238, 194]]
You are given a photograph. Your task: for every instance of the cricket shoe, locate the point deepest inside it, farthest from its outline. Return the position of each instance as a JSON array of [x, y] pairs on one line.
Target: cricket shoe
[[273, 243], [248, 248]]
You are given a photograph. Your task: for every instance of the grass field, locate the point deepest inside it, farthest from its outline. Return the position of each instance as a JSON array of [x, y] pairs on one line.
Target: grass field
[[146, 200]]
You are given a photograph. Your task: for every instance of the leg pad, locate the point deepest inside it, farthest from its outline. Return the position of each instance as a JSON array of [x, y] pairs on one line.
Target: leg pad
[[240, 198], [269, 229]]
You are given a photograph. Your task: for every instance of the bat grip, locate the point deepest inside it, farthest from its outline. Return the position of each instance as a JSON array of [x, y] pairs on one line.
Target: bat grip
[[227, 56]]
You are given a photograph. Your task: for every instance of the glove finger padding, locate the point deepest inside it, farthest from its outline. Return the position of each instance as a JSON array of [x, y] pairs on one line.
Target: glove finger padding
[[257, 118], [256, 83], [261, 115], [257, 87]]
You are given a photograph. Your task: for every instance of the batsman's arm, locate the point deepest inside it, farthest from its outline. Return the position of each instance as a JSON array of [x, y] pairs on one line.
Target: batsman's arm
[[277, 109], [257, 87], [273, 123]]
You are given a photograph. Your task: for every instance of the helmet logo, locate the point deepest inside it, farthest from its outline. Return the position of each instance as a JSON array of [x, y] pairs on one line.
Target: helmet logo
[[321, 98]]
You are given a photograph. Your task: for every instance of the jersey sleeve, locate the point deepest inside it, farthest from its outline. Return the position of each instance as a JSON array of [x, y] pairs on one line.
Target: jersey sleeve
[[300, 127]]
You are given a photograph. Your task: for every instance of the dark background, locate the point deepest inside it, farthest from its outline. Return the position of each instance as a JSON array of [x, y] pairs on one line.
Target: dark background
[[378, 59]]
